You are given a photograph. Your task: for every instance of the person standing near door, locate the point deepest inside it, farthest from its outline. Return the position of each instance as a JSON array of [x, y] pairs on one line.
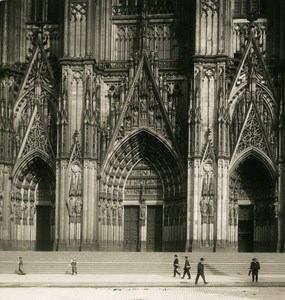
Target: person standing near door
[[187, 268], [200, 271], [254, 269], [176, 266]]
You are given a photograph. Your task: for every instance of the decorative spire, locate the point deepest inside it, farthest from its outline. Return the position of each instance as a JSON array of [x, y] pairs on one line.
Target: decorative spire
[[252, 18]]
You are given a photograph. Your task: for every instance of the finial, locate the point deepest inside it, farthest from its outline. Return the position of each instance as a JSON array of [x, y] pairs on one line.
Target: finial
[[252, 18]]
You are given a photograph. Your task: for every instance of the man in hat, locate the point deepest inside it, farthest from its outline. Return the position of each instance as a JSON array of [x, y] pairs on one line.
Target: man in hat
[[176, 266], [186, 268], [73, 266], [253, 269], [200, 271]]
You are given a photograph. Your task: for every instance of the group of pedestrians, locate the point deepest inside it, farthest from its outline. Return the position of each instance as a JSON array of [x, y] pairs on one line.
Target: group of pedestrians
[[73, 264], [253, 269], [187, 267]]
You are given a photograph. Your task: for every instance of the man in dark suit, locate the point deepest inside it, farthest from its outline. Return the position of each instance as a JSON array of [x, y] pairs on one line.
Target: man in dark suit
[[186, 268], [176, 266], [253, 269], [200, 271]]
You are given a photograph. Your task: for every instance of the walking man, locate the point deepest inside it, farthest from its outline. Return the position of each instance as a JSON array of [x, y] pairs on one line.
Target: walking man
[[186, 268], [21, 265], [176, 266], [73, 266], [200, 271], [253, 269]]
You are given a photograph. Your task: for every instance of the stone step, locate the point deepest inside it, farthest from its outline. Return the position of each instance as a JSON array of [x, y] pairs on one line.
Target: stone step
[[137, 263]]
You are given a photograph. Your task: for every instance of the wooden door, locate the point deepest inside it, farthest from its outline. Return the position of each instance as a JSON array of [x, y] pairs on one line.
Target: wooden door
[[131, 228], [43, 233], [245, 228], [154, 228]]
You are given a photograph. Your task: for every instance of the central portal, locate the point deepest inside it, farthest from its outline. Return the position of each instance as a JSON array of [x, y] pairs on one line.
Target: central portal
[[133, 231], [43, 241]]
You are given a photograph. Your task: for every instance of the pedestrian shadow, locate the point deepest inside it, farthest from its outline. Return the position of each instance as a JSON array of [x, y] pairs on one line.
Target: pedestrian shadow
[[214, 270]]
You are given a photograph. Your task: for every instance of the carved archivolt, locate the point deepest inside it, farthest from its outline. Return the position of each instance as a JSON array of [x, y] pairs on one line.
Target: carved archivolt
[[142, 169]]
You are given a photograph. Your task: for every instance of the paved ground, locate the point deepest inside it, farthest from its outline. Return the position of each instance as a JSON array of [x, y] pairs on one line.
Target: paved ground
[[137, 287], [166, 293], [115, 280]]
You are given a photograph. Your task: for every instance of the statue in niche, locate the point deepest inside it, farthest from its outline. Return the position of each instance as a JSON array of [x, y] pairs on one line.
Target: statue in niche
[[117, 107], [203, 209], [115, 212], [25, 212], [151, 114], [236, 211], [78, 209], [143, 107], [18, 211], [109, 212], [211, 209], [231, 212], [71, 204], [142, 212], [128, 121], [135, 116], [100, 209], [12, 207], [104, 209], [32, 211], [121, 133], [158, 121], [120, 212]]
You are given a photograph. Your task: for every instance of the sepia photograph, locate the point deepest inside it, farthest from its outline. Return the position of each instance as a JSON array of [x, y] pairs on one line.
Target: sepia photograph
[[141, 149]]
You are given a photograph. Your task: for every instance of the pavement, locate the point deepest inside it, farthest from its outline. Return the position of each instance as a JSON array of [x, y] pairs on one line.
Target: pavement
[[132, 280]]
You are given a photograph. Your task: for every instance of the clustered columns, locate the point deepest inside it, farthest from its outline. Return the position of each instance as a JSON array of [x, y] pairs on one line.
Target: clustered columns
[[208, 154]]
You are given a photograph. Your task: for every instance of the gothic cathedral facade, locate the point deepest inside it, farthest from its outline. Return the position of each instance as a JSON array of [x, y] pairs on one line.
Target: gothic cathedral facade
[[142, 125]]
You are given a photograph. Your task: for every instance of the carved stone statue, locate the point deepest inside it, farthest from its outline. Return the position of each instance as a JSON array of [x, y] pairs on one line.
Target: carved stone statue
[[71, 209], [25, 212], [78, 209], [203, 209], [109, 212], [142, 213], [32, 212], [120, 212]]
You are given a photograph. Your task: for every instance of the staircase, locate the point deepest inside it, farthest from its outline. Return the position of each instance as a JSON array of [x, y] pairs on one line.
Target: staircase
[[138, 263]]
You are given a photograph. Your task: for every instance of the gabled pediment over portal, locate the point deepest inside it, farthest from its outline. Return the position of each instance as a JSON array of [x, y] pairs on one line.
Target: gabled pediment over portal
[[36, 138], [143, 108], [253, 135]]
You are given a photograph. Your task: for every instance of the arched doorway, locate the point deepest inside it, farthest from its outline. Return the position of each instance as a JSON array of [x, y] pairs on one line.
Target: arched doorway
[[143, 187], [252, 188], [142, 202], [45, 211], [33, 205]]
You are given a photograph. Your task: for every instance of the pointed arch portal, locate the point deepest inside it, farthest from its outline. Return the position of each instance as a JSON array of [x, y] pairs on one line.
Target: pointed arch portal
[[142, 205], [252, 203], [33, 205]]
